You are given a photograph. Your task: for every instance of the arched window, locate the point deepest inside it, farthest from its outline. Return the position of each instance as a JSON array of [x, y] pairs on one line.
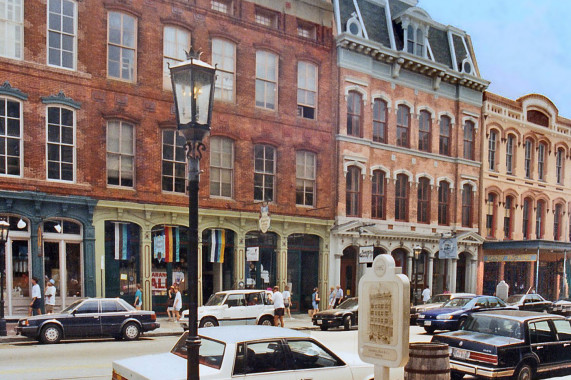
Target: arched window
[[380, 121], [509, 154], [443, 203], [401, 197], [354, 102], [423, 209], [539, 218], [492, 150], [424, 131], [557, 221], [403, 126], [467, 199], [559, 165], [508, 217], [491, 215], [378, 195], [444, 143], [528, 153], [541, 148], [353, 194], [526, 218], [469, 140]]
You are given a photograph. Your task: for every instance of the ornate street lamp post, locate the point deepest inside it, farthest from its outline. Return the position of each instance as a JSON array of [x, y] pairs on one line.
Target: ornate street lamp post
[[193, 88], [4, 230], [416, 250]]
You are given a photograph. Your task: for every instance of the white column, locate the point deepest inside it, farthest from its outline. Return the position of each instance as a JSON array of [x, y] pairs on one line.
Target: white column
[[409, 267], [453, 269], [474, 274], [336, 277], [430, 272]]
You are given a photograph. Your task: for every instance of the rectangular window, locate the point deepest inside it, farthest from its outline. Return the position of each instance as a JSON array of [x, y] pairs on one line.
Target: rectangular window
[[492, 151], [509, 154], [120, 154], [62, 32], [380, 121], [539, 220], [559, 166], [469, 140], [541, 162], [526, 219], [221, 166], [176, 42], [401, 198], [10, 137], [305, 178], [443, 203], [267, 18], [403, 126], [557, 222], [264, 173], [354, 101], [222, 6], [467, 206], [490, 215], [353, 192], [306, 30], [444, 143], [423, 209], [174, 162], [224, 55], [306, 90], [378, 195], [527, 163], [266, 80], [121, 46], [11, 28], [61, 144], [424, 131]]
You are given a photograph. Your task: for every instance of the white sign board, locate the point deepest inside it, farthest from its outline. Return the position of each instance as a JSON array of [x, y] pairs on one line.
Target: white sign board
[[252, 253], [366, 255], [448, 248], [384, 314]]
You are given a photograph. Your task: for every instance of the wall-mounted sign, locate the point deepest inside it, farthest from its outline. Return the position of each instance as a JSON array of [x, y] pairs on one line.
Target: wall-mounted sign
[[265, 220], [252, 253], [384, 314], [507, 258], [448, 248], [366, 255]]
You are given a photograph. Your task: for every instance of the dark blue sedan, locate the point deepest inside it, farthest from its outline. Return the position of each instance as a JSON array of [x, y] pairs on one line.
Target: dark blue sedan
[[454, 313]]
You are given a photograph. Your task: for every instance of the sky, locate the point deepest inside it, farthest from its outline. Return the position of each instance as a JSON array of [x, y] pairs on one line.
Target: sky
[[521, 46]]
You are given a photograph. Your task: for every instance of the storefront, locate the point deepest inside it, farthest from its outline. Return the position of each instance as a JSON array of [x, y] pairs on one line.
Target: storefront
[[302, 269], [261, 260]]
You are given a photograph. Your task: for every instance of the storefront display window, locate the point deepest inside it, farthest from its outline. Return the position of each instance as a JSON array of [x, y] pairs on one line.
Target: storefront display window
[[20, 269], [122, 257], [217, 261], [261, 263]]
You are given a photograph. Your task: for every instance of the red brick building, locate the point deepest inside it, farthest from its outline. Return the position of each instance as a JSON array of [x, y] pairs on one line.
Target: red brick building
[[92, 176]]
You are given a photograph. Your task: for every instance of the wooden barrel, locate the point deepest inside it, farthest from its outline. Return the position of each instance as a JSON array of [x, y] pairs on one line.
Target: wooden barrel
[[428, 361]]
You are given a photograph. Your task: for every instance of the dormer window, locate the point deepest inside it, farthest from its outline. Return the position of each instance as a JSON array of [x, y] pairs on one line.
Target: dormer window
[[267, 18], [415, 41], [306, 30]]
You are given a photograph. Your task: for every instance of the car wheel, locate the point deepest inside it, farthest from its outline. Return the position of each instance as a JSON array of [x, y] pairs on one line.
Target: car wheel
[[456, 375], [523, 372], [429, 330], [323, 328], [131, 331], [347, 322], [266, 321], [51, 334], [461, 323], [208, 322]]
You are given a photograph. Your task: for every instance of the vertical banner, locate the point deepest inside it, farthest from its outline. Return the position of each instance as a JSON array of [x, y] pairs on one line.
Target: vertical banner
[[177, 242], [217, 245], [117, 241], [159, 247], [168, 245], [124, 242]]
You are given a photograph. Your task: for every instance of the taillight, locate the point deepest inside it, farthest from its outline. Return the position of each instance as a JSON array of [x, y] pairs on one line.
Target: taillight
[[153, 317], [486, 358], [116, 376]]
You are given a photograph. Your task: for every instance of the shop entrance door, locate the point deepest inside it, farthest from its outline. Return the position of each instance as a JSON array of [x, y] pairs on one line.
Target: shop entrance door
[[303, 268], [62, 263], [348, 271]]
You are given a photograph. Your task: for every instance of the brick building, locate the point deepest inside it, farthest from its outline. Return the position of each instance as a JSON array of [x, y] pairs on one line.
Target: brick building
[[92, 174], [526, 195], [408, 163]]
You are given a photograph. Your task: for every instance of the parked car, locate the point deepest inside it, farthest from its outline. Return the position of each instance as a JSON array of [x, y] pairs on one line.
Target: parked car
[[529, 302], [235, 307], [91, 317], [345, 314], [434, 303], [509, 343], [562, 307], [258, 352], [454, 313]]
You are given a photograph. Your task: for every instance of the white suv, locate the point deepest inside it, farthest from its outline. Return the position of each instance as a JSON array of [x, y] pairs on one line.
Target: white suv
[[235, 307]]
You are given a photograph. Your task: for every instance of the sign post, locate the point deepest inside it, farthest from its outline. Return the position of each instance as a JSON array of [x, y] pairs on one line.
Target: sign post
[[384, 313]]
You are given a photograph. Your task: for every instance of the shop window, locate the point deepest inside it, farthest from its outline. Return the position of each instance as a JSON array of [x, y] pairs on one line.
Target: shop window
[[264, 173], [443, 203], [62, 33], [217, 261], [423, 207], [221, 166], [354, 110], [509, 154], [403, 126], [424, 131], [12, 28], [60, 144], [444, 142], [305, 178], [122, 259], [121, 46], [467, 204], [380, 121], [261, 260], [378, 195], [176, 42], [120, 153], [492, 150], [224, 57], [353, 191], [306, 89], [10, 136], [401, 197]]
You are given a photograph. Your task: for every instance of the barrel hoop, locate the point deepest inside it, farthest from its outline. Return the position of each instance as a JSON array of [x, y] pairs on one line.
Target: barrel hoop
[[442, 356], [427, 371], [428, 346]]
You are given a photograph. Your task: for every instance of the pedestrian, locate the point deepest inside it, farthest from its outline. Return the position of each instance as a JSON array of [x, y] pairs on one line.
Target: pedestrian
[[426, 294], [177, 305], [279, 307], [331, 300], [138, 297], [315, 301], [338, 296], [50, 296], [170, 303], [36, 304], [287, 301]]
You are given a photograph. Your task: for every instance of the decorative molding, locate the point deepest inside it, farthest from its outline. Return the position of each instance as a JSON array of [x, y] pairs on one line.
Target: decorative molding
[[8, 90], [60, 98]]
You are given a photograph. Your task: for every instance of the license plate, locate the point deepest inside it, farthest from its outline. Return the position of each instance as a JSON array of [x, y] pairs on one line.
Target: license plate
[[428, 323], [460, 353], [318, 321]]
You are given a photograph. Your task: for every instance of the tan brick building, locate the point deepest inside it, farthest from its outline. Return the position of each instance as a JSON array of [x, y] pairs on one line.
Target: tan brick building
[[408, 163], [526, 195], [92, 175]]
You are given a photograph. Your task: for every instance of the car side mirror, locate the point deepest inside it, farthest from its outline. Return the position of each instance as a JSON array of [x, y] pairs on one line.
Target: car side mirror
[[74, 312]]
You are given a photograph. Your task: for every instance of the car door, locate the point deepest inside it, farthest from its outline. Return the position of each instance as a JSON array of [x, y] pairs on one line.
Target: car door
[[311, 360], [543, 342], [563, 331], [236, 313], [254, 307], [112, 316], [262, 360], [85, 320]]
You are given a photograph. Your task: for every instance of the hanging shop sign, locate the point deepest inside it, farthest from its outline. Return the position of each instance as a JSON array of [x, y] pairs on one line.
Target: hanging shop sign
[[265, 220], [448, 248], [366, 254]]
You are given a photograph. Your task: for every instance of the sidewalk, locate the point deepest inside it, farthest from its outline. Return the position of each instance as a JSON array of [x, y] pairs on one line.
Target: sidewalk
[[298, 322]]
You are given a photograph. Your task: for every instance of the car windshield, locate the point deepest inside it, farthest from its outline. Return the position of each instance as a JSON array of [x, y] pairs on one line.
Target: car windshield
[[71, 307], [211, 351], [513, 299], [215, 300], [457, 302], [494, 326], [441, 298], [348, 304]]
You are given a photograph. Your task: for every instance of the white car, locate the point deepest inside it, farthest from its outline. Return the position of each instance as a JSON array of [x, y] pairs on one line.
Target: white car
[[235, 307], [252, 352]]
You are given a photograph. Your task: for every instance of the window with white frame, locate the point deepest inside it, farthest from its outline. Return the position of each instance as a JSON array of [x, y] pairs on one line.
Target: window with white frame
[[120, 153], [527, 161], [11, 28], [121, 46], [492, 150], [305, 178], [224, 55], [221, 166], [222, 6], [353, 191], [176, 42], [264, 172], [61, 144], [306, 89], [541, 161], [526, 228], [174, 162], [423, 201], [560, 155], [266, 79], [10, 137], [62, 32], [267, 18], [415, 41], [509, 154], [508, 217]]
